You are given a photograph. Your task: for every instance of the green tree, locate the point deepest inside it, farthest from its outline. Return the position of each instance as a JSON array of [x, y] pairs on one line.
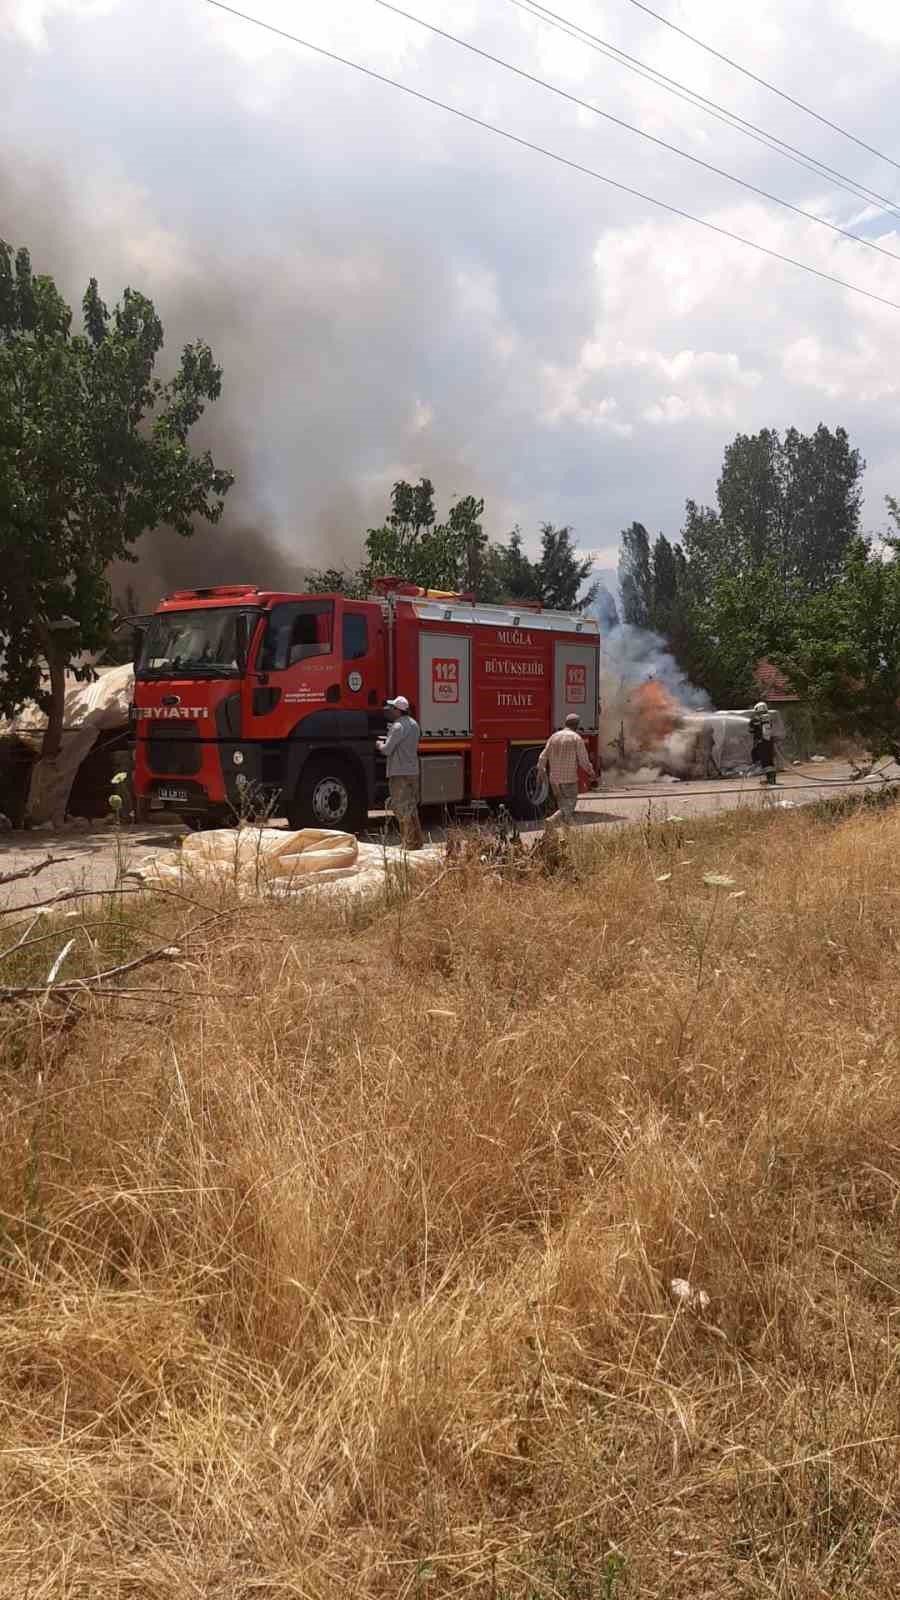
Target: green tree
[[657, 593], [411, 516], [788, 511], [93, 453], [508, 572], [711, 637], [466, 533], [635, 575], [843, 649], [822, 496], [666, 599], [561, 572], [793, 501], [412, 544], [704, 542], [749, 496], [522, 579], [354, 583], [746, 616], [456, 555]]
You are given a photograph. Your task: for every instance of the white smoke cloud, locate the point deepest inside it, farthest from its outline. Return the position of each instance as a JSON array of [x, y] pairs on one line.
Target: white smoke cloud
[[630, 659]]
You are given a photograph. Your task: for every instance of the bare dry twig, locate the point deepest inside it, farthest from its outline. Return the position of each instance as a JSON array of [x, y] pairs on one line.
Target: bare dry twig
[[100, 894], [26, 943], [165, 952], [432, 885], [32, 872]]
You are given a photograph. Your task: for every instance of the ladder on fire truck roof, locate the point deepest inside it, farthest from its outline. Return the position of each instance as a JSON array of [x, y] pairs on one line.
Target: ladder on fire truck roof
[[434, 605]]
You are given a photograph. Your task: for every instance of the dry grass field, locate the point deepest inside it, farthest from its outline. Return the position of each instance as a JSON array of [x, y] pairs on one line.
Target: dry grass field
[[336, 1251]]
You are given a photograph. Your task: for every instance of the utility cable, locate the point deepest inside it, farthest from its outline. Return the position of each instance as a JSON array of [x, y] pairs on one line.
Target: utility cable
[[552, 155], [619, 122], [693, 97], [764, 83]]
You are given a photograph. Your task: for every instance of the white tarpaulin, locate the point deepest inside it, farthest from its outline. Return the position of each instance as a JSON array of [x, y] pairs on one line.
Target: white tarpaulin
[[90, 709], [274, 861]]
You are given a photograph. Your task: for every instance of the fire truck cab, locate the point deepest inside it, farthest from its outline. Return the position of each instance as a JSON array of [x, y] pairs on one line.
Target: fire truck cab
[[242, 692]]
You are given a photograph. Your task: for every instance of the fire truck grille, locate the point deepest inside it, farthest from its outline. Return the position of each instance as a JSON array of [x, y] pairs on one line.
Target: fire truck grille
[[173, 748]]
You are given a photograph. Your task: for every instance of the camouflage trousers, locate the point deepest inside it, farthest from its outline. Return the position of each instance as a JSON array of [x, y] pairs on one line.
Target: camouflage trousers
[[404, 794]]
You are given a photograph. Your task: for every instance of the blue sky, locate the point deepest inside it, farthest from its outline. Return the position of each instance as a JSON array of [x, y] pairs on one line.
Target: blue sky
[[392, 292]]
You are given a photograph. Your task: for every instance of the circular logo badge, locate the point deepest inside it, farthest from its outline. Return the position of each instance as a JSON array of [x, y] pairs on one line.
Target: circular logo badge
[[355, 681]]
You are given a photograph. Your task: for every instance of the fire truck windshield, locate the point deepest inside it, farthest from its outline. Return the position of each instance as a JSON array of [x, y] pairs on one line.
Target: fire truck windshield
[[199, 643]]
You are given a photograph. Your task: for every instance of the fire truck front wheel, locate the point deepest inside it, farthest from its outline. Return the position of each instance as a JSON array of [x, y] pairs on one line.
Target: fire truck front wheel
[[529, 791], [330, 794]]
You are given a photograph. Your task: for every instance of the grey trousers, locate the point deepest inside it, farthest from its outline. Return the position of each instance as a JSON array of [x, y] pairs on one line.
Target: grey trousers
[[566, 797]]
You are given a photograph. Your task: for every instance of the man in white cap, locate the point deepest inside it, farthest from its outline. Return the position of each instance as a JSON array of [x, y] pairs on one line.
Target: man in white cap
[[563, 755], [401, 750]]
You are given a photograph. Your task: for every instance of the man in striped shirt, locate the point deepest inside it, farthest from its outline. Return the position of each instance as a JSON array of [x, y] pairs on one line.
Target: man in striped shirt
[[563, 755]]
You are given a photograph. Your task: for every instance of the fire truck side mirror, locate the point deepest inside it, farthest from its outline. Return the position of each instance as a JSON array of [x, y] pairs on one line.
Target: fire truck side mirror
[[138, 635]]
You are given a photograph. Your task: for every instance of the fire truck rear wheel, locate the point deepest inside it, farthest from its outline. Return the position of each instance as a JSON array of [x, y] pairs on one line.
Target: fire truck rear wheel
[[530, 791], [330, 795]]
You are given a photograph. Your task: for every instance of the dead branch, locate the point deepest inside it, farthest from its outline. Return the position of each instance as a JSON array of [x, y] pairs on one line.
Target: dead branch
[[432, 885], [163, 952], [64, 895], [101, 894], [32, 872], [183, 995], [27, 944], [75, 985]]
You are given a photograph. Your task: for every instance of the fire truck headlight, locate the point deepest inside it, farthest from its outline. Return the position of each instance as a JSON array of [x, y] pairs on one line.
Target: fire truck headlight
[[238, 758]]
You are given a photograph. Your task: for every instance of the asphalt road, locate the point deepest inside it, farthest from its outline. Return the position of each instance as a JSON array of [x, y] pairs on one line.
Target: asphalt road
[[84, 859]]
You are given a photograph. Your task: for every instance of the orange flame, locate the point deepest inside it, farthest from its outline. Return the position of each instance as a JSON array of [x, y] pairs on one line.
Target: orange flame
[[655, 713]]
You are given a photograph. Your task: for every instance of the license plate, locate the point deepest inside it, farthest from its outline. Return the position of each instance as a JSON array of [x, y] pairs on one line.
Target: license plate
[[172, 796]]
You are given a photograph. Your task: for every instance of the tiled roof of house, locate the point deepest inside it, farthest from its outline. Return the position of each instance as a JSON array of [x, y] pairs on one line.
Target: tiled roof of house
[[771, 682]]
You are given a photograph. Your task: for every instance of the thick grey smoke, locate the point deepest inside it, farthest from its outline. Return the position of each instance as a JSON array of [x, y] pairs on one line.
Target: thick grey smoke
[[641, 732], [319, 409]]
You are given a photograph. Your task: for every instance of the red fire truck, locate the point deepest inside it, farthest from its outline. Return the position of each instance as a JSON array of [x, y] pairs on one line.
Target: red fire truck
[[242, 691]]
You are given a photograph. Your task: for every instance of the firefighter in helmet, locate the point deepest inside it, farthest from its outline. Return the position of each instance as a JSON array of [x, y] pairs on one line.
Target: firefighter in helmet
[[763, 736]]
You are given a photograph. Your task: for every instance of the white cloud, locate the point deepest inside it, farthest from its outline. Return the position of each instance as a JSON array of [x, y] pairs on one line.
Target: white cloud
[[566, 400], [478, 294], [857, 371], [344, 26], [30, 18], [423, 417], [878, 20]]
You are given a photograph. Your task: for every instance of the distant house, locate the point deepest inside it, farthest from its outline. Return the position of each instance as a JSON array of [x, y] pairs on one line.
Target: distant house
[[776, 690], [773, 686]]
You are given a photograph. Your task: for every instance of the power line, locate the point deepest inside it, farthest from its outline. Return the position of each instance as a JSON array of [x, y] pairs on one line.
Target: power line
[[764, 83], [693, 97], [551, 155], [619, 122]]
